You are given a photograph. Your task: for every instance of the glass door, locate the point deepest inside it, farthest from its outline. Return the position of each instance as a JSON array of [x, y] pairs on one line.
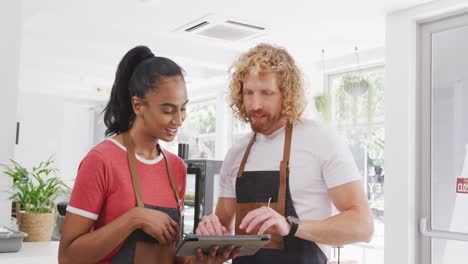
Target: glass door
[[443, 137]]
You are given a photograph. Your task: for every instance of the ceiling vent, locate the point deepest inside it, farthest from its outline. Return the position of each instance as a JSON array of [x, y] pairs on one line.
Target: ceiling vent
[[215, 27]]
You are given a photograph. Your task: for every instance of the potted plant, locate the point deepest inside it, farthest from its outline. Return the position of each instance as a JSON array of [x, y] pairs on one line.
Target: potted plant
[[354, 91], [323, 106], [35, 192], [355, 85]]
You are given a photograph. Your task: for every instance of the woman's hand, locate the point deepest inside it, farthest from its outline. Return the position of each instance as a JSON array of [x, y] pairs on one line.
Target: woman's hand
[[212, 258], [157, 224]]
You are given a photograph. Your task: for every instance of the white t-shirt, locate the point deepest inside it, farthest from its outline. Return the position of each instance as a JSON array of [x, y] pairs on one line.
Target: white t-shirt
[[319, 160]]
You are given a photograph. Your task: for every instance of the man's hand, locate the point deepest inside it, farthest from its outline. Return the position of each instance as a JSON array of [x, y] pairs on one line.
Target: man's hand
[[212, 258], [263, 219], [210, 225]]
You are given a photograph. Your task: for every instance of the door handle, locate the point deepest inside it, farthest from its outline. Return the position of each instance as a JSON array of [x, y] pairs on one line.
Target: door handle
[[440, 234]]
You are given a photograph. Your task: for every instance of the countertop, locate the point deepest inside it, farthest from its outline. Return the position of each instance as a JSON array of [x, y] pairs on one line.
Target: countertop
[[33, 252]]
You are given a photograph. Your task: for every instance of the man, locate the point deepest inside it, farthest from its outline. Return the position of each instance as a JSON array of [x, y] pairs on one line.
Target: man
[[283, 178]]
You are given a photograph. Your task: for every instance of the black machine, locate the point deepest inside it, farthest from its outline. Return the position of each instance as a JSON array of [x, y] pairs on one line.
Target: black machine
[[201, 193]]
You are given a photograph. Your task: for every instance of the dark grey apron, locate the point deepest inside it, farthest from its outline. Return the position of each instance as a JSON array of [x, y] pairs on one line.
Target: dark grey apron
[[253, 190], [140, 247]]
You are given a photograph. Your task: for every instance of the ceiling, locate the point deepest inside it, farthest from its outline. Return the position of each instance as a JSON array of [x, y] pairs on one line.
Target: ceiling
[[76, 45]]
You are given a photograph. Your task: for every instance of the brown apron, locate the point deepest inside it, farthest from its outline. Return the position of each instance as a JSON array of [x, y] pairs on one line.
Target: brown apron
[[140, 247], [242, 209], [253, 190]]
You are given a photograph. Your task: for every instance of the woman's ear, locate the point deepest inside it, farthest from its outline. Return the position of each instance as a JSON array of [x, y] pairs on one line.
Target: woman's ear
[[137, 105]]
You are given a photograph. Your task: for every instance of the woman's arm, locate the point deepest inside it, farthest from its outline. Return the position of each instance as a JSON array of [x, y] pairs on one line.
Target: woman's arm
[[79, 245]]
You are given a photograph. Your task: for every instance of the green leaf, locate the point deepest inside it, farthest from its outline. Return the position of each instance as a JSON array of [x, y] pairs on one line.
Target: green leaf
[[35, 191]]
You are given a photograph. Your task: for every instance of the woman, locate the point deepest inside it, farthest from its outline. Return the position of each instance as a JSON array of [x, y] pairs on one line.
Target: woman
[[127, 202]]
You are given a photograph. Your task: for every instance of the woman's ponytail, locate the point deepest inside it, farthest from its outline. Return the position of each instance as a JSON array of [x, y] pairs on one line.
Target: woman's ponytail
[[118, 114]]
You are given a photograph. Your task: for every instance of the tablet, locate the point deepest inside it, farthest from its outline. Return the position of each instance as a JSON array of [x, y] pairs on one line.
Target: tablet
[[251, 244]]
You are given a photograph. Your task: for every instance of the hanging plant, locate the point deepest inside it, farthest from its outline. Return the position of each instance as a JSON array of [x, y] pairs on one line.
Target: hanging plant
[[355, 85], [352, 92], [370, 104], [323, 105]]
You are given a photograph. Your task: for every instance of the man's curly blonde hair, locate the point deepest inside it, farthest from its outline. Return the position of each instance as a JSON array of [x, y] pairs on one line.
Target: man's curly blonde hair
[[266, 58]]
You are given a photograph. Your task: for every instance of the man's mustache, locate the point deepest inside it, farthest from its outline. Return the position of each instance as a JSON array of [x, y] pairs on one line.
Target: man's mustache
[[257, 112]]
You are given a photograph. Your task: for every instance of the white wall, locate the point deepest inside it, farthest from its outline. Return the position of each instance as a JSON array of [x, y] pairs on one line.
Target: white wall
[[41, 121], [400, 146], [53, 125], [224, 121], [10, 26]]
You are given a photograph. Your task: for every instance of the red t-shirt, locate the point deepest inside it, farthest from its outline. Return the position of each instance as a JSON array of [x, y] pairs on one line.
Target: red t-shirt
[[103, 188]]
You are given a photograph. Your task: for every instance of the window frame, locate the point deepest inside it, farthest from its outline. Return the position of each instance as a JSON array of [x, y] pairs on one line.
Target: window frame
[[329, 90]]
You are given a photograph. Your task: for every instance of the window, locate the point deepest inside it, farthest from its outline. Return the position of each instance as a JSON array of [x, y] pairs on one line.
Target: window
[[355, 106], [239, 129], [199, 130]]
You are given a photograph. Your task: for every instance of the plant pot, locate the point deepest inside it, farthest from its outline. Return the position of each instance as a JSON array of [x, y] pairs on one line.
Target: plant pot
[[39, 227], [357, 88]]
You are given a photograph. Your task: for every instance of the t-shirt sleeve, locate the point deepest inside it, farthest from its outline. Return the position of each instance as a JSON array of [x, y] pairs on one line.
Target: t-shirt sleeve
[[89, 190], [338, 164], [228, 178]]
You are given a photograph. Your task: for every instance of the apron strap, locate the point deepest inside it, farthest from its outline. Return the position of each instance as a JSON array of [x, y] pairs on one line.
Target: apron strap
[[130, 146], [287, 142], [171, 179], [246, 156], [133, 168], [284, 170]]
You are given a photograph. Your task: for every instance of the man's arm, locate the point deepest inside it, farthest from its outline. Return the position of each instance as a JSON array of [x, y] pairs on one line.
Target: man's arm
[[226, 212], [352, 224]]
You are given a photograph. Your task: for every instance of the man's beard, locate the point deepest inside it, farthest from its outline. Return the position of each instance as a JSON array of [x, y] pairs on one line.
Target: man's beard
[[269, 122]]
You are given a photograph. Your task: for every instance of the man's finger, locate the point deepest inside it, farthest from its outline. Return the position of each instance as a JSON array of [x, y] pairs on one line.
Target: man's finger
[[201, 230], [216, 224], [209, 227], [213, 217], [251, 215], [257, 221], [267, 224]]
